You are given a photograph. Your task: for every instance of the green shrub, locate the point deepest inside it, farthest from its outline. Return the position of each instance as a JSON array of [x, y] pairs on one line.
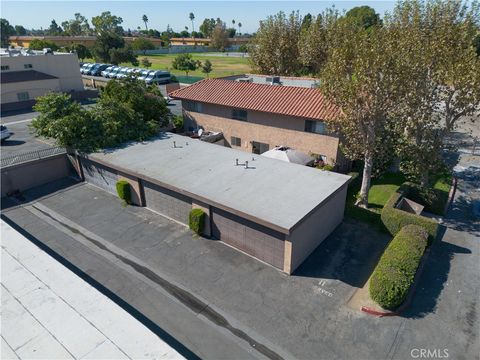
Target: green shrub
[[434, 200], [326, 167], [395, 219], [196, 220], [395, 272], [123, 191]]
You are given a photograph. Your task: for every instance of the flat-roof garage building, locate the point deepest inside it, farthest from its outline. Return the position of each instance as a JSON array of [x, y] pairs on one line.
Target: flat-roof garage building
[[272, 210]]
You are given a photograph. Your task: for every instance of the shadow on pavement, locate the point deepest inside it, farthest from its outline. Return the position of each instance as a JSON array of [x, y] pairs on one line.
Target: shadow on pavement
[[433, 279], [12, 143], [349, 254]]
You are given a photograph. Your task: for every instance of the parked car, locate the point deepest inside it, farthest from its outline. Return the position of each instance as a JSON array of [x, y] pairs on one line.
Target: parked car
[[121, 73], [97, 70], [158, 77], [105, 72], [5, 133], [113, 73], [85, 69], [144, 73]]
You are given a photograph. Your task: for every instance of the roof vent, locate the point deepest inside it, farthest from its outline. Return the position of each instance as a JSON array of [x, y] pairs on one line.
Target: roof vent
[[273, 80]]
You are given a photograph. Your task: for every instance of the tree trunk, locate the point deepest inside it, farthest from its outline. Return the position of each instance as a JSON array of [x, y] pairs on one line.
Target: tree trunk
[[367, 175]]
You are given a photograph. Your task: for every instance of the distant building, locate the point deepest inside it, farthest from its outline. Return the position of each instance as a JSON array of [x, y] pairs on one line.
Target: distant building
[[88, 41], [257, 113], [237, 41], [27, 75]]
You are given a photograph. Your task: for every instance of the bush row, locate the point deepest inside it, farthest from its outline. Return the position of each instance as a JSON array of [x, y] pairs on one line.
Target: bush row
[[395, 219], [395, 272]]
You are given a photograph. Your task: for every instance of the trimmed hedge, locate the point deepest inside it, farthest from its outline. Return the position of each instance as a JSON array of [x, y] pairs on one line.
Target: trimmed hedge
[[395, 219], [123, 191], [434, 200], [196, 220], [395, 272]]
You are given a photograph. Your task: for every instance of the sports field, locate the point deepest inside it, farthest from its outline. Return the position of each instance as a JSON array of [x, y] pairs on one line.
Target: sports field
[[221, 65]]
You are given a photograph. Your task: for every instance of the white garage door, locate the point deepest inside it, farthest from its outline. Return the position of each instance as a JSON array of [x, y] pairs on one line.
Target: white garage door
[[167, 202], [254, 239], [100, 176]]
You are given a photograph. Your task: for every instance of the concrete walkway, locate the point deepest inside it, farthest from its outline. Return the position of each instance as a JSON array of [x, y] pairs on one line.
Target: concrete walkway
[[50, 313]]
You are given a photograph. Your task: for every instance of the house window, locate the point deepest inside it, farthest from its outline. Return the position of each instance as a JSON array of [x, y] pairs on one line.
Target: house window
[[317, 127], [28, 66], [193, 106], [239, 114], [5, 67], [23, 96], [259, 148], [235, 141]]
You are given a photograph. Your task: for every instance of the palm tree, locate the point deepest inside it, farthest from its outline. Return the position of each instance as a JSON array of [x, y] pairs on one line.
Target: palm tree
[[192, 17], [145, 20], [239, 27]]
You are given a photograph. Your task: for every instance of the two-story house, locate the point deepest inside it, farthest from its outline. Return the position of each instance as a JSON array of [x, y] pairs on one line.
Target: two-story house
[[256, 117]]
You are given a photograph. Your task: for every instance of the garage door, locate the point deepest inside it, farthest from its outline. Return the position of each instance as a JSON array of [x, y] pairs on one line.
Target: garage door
[[261, 242], [167, 202], [100, 175]]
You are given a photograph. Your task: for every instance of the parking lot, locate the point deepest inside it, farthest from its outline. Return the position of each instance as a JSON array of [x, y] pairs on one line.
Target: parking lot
[[221, 303]]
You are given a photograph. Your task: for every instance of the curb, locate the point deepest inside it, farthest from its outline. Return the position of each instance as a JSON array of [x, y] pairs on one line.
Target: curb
[[404, 306]]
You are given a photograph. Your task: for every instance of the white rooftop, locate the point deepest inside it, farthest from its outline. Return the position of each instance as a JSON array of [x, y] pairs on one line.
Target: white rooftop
[[274, 191]]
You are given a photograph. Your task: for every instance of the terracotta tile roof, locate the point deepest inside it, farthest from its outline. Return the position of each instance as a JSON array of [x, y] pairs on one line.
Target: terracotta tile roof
[[285, 100]]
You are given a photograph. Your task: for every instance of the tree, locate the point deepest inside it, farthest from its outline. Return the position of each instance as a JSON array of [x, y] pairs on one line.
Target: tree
[[476, 44], [239, 28], [363, 16], [191, 16], [6, 31], [145, 20], [274, 50], [361, 77], [81, 50], [142, 44], [207, 67], [146, 63], [77, 26], [54, 29], [231, 32], [121, 55], [38, 44], [219, 37], [185, 62], [105, 42], [207, 27], [20, 30], [106, 22]]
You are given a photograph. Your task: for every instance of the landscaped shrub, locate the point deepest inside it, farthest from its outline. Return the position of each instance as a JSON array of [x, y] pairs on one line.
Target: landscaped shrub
[[326, 167], [395, 272], [123, 191], [196, 220], [434, 200], [395, 219]]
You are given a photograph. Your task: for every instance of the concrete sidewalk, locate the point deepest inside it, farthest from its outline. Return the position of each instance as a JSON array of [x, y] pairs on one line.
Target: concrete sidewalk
[[48, 312]]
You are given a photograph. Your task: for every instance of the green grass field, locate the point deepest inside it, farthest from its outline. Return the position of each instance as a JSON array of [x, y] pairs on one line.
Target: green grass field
[[222, 65]]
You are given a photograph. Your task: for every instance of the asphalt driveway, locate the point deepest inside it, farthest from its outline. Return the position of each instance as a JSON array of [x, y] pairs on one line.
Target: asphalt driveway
[[220, 303]]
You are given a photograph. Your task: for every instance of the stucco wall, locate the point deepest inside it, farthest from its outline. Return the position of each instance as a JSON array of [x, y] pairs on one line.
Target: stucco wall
[[312, 231], [288, 131], [64, 66], [34, 89], [35, 173]]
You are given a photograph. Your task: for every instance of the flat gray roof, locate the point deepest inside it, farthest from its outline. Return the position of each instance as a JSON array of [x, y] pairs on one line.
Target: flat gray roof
[[276, 192]]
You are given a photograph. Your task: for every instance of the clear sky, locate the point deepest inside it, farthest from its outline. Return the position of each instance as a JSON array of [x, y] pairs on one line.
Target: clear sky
[[36, 14]]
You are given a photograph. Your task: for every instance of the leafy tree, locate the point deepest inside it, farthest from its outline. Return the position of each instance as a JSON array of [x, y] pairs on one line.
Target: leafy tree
[[77, 26], [207, 67], [106, 22], [363, 16], [185, 62], [20, 30], [191, 16], [38, 44], [54, 29], [361, 76], [145, 20], [185, 33], [122, 55], [146, 63], [6, 31], [220, 37], [231, 32], [142, 44], [274, 50], [105, 42], [207, 27], [82, 51], [476, 44]]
